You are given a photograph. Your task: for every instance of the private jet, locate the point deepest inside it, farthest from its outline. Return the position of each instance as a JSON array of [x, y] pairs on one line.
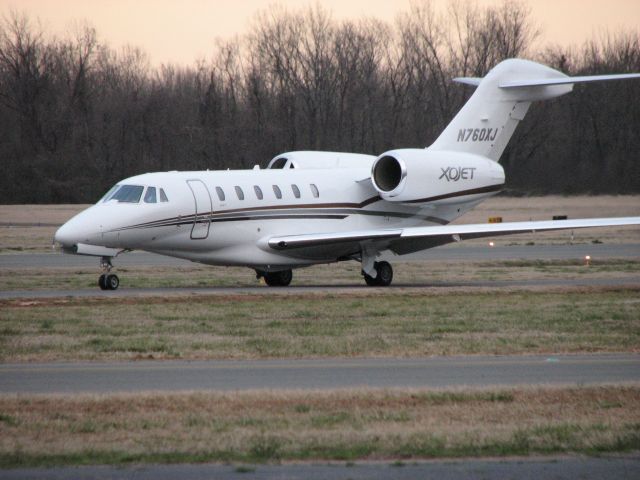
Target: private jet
[[309, 208]]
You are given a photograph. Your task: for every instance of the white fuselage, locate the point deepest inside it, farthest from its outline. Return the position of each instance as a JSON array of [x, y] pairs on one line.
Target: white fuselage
[[196, 224]]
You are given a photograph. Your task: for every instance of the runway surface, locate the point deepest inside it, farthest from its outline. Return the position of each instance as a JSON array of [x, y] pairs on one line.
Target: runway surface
[[437, 372], [600, 468], [451, 252], [125, 292]]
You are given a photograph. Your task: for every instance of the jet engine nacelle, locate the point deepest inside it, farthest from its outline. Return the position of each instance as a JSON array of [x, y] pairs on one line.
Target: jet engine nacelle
[[424, 176]]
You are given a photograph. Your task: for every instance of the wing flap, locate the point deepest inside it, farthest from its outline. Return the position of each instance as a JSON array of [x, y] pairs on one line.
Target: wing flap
[[321, 239]]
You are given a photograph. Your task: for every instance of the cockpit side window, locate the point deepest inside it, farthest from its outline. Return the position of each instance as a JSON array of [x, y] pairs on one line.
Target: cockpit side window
[[279, 163], [150, 196], [127, 194], [163, 196], [108, 195]]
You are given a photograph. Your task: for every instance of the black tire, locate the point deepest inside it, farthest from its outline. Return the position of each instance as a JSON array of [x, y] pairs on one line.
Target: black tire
[[385, 273], [285, 277], [112, 282], [102, 282], [278, 279]]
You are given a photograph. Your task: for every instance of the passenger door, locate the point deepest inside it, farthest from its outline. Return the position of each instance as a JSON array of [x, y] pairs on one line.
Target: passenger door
[[203, 209]]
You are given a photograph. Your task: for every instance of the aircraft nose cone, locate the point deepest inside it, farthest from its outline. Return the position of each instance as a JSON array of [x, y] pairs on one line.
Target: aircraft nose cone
[[77, 230], [68, 235], [64, 236]]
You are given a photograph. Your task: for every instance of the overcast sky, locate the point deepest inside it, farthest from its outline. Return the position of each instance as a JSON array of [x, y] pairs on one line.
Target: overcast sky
[[181, 31]]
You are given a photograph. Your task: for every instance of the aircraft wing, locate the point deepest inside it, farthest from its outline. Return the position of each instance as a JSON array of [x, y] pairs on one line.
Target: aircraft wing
[[413, 239]]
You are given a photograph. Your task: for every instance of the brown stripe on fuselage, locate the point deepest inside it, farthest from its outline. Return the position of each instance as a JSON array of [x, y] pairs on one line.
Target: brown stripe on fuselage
[[462, 193]]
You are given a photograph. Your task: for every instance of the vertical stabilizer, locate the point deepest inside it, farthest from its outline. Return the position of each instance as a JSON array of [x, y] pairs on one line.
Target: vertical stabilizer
[[487, 121]]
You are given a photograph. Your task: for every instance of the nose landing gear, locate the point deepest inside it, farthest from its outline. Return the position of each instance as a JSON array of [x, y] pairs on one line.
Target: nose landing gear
[[107, 281]]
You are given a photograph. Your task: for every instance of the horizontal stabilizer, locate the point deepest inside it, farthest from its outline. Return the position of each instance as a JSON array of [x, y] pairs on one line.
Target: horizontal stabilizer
[[474, 81], [564, 80]]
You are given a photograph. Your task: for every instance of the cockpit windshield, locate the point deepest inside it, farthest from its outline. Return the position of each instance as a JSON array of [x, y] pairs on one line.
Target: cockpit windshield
[[125, 193], [133, 194]]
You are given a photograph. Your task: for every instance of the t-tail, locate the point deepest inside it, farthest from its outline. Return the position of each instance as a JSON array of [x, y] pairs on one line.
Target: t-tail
[[487, 121]]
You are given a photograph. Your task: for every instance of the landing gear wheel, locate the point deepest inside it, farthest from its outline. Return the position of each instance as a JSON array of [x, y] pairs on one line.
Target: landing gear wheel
[[112, 282], [102, 282], [107, 281], [278, 279], [384, 275]]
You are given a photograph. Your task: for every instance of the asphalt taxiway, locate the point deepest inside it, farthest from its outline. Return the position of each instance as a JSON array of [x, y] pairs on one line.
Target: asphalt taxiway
[[227, 375], [603, 467]]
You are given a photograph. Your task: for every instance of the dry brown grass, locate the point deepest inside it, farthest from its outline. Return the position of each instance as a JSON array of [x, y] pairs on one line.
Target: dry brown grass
[[341, 424], [30, 214]]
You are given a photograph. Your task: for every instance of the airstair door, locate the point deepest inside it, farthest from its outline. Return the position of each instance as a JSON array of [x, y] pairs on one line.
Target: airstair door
[[203, 209]]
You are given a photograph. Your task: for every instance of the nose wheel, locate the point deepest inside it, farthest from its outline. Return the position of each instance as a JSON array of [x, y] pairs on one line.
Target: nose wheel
[[107, 281]]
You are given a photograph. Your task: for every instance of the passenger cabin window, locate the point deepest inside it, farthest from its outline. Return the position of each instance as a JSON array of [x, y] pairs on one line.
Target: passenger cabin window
[[127, 194], [163, 196], [277, 191], [239, 193], [296, 190], [314, 190], [220, 193], [258, 191], [150, 196]]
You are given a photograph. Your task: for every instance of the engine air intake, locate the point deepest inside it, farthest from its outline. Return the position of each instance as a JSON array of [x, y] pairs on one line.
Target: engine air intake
[[387, 173]]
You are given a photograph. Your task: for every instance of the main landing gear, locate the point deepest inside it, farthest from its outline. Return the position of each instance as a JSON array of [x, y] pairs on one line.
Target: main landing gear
[[276, 279], [107, 281], [384, 275]]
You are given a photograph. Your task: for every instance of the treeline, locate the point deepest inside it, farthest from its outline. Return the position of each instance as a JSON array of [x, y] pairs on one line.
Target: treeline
[[76, 116]]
